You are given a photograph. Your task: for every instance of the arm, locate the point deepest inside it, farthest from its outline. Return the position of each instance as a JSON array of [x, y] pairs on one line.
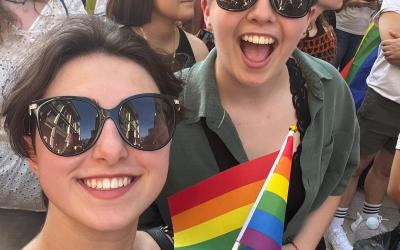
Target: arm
[[394, 181], [200, 50], [315, 225]]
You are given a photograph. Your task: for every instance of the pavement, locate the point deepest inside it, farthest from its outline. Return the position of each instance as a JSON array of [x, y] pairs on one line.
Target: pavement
[[389, 211]]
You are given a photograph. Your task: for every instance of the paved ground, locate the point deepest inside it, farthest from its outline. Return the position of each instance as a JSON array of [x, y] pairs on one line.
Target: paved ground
[[389, 211]]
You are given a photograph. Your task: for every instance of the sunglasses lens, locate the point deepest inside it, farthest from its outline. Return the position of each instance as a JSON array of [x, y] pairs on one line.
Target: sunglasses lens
[[147, 122], [68, 127], [287, 8], [292, 8], [235, 5]]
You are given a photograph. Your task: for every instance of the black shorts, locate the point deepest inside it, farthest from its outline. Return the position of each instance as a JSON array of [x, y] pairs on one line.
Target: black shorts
[[379, 120]]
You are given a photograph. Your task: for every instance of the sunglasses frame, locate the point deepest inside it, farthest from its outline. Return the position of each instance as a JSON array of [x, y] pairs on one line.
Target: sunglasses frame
[[104, 114], [273, 4]]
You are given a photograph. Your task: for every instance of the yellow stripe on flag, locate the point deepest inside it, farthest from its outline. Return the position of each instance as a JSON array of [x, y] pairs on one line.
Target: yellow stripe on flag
[[278, 185], [213, 228]]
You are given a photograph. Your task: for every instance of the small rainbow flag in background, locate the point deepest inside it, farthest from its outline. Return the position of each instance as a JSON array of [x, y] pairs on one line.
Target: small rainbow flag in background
[[210, 214]]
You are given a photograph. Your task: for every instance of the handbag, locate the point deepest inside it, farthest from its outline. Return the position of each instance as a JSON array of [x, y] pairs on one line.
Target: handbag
[[385, 241]]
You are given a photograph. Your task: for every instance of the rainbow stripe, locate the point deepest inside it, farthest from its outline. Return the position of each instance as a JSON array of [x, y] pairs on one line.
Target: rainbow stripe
[[210, 214], [264, 228]]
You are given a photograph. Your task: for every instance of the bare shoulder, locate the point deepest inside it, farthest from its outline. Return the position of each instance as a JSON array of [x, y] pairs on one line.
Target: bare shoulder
[[199, 48]]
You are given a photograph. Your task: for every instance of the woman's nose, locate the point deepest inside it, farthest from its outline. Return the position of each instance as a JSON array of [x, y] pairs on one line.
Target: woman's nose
[[110, 147], [261, 12]]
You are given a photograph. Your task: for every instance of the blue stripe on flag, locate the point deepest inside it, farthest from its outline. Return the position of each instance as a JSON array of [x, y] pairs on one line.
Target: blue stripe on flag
[[268, 225]]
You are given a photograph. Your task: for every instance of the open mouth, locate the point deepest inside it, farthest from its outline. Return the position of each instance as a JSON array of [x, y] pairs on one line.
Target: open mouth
[[107, 183], [257, 48]]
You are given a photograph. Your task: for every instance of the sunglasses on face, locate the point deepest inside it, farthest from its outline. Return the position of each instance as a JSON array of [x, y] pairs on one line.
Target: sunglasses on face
[[286, 8], [70, 125]]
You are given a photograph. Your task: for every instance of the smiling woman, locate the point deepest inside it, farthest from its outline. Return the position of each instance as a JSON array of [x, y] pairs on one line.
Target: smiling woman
[[243, 97], [101, 159]]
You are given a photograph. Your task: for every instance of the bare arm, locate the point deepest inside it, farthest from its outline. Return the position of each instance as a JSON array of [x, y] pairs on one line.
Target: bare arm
[[200, 50], [394, 181], [315, 225]]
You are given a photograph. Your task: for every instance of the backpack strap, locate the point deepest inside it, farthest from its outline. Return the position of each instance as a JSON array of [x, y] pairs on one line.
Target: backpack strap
[[222, 155], [65, 7]]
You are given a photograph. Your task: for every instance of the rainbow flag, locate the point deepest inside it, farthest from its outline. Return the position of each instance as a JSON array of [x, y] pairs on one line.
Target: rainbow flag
[[368, 44], [210, 214], [263, 228]]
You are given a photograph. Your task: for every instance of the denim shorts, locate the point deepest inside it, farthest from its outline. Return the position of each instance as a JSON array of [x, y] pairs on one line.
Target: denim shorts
[[379, 120]]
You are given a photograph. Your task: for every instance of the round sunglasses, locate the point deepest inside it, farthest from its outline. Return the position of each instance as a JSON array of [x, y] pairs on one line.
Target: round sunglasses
[[286, 8], [71, 125]]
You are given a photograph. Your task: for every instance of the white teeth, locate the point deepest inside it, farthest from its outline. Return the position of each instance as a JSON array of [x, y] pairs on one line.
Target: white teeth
[[258, 39], [107, 183], [114, 183]]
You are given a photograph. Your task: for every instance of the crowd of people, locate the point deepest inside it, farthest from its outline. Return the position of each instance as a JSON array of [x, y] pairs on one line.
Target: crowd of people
[[192, 88]]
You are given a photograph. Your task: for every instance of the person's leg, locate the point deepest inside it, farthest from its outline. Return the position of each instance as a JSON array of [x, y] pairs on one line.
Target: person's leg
[[341, 46], [378, 177]]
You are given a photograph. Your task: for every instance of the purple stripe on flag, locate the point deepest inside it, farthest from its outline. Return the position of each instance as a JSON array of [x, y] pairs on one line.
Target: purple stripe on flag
[[258, 241], [267, 224]]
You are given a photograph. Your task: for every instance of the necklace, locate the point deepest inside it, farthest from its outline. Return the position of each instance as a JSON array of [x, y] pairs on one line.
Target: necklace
[[145, 37], [17, 1]]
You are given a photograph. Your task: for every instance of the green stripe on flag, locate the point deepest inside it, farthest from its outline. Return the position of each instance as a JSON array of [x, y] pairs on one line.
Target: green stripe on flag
[[273, 204], [223, 242]]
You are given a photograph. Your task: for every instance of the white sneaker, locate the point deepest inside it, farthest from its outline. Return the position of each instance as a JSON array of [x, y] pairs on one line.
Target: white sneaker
[[337, 237], [364, 229]]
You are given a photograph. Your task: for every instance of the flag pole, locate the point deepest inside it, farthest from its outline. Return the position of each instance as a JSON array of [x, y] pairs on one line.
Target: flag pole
[[292, 130]]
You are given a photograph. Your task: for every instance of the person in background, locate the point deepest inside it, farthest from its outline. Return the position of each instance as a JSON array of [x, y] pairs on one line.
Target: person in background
[[379, 119], [351, 24], [246, 93], [101, 159], [21, 24], [156, 20], [320, 39]]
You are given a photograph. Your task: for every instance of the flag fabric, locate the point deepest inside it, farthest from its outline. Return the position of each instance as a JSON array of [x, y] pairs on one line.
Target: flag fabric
[[368, 44], [264, 227], [210, 214]]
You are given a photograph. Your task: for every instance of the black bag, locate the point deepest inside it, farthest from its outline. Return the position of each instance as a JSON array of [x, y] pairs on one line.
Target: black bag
[[386, 241]]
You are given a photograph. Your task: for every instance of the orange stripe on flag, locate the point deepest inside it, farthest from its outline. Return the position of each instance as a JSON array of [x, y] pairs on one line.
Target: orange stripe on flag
[[220, 205], [283, 168]]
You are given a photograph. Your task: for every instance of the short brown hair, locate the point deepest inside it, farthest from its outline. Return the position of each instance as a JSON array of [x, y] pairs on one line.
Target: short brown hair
[[130, 12], [77, 36]]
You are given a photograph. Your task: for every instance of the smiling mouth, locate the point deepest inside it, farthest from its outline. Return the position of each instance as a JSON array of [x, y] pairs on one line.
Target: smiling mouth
[[257, 48], [107, 183]]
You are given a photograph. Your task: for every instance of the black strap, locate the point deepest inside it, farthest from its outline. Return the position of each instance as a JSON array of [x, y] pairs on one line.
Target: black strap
[[164, 241], [65, 7], [222, 155]]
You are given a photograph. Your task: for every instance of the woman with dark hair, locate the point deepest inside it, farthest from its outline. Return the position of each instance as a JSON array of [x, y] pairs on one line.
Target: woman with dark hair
[[101, 159], [243, 97], [320, 38], [155, 20]]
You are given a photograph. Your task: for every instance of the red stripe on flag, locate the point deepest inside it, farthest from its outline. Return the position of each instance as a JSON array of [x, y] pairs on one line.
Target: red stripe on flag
[[288, 151], [240, 175]]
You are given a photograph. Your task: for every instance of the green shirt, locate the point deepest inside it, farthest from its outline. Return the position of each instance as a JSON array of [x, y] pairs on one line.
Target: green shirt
[[330, 145]]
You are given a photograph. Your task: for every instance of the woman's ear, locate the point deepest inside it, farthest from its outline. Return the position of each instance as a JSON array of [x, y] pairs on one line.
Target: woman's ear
[[312, 15], [32, 159], [206, 14]]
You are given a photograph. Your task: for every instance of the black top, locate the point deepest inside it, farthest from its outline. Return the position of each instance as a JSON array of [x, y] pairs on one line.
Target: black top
[[184, 56]]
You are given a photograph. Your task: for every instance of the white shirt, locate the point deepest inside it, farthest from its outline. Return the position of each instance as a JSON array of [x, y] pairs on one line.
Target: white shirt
[[385, 77], [18, 187], [354, 20]]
